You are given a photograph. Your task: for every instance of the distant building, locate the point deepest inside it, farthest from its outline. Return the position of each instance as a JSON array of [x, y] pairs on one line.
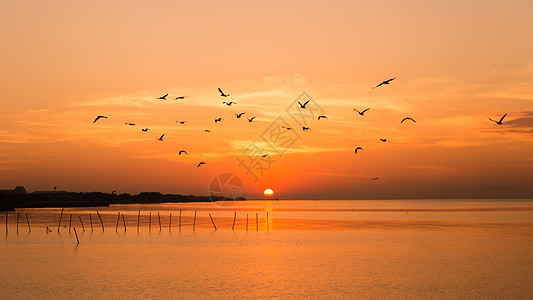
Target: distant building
[[17, 190]]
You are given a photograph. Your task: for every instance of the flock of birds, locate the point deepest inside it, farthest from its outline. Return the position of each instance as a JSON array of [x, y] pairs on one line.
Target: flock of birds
[[250, 119]]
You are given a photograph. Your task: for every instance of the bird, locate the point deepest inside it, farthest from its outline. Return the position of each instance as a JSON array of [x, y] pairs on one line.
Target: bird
[[229, 103], [145, 129], [239, 115], [500, 121], [162, 97], [322, 117], [218, 120], [250, 119], [407, 118], [99, 117], [358, 148], [161, 137], [362, 113], [264, 155], [183, 151], [222, 93], [181, 97], [181, 122], [303, 105], [201, 163], [384, 82], [384, 140], [113, 192], [207, 130], [131, 124], [305, 128], [375, 178], [288, 128]]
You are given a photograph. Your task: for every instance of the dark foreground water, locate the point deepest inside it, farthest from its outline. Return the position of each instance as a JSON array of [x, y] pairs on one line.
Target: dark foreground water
[[416, 249]]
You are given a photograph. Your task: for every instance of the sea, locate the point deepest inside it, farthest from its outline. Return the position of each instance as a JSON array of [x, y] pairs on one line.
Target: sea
[[286, 249]]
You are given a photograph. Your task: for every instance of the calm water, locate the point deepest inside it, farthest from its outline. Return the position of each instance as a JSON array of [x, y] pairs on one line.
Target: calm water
[[418, 249]]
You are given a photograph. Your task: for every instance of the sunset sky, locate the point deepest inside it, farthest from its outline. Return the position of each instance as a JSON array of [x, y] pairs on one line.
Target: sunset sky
[[457, 63]]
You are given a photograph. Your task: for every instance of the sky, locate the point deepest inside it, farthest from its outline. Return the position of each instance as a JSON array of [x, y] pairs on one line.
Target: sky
[[456, 64]]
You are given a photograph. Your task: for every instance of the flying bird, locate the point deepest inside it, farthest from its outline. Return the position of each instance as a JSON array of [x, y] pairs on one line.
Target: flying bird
[[229, 103], [222, 93], [375, 178], [322, 117], [384, 140], [362, 113], [161, 137], [407, 118], [288, 128], [500, 121], [207, 130], [145, 129], [384, 82], [358, 148], [303, 105], [264, 155], [250, 119], [201, 163], [239, 115], [181, 122], [183, 151], [305, 128], [181, 97], [218, 120], [99, 117], [131, 124], [162, 97]]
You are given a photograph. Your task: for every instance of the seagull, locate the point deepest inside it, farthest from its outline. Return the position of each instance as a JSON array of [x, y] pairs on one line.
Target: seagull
[[288, 128], [229, 103], [305, 128], [303, 105], [407, 118], [131, 124], [207, 130], [384, 82], [222, 93], [181, 97], [183, 151], [384, 140], [162, 97], [250, 119], [362, 113], [99, 117], [201, 163], [161, 137], [497, 122], [375, 178], [239, 115], [320, 117], [264, 155], [181, 122], [145, 129], [358, 148], [218, 120]]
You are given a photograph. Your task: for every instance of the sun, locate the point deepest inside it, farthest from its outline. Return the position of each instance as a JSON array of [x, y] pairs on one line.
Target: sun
[[268, 193]]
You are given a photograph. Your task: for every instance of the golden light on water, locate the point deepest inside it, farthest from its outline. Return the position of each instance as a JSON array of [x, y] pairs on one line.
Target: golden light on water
[[268, 193]]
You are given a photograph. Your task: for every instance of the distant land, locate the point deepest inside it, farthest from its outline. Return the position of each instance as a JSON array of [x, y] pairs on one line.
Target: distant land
[[19, 198]]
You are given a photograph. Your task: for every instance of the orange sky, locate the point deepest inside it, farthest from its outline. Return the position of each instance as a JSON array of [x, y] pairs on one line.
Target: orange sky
[[457, 62]]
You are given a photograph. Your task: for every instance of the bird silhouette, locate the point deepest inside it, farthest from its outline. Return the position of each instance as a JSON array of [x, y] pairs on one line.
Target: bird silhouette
[[384, 140], [181, 122], [229, 103], [250, 119], [162, 97], [207, 130], [362, 113], [375, 178], [239, 115], [161, 137], [305, 128], [322, 117], [264, 155], [99, 117], [384, 82], [201, 163], [181, 97], [407, 118], [222, 93], [288, 128], [218, 120], [183, 151], [303, 105], [131, 124], [145, 129], [358, 148], [500, 121]]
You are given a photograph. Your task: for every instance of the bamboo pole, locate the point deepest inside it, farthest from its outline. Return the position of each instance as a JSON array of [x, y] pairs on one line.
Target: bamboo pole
[[28, 220], [246, 222], [124, 222], [256, 221], [150, 223], [268, 224], [101, 222], [180, 221], [213, 221], [6, 221], [159, 219], [234, 217], [91, 221], [69, 222], [60, 217], [193, 222], [18, 216], [169, 222], [118, 219], [78, 240], [138, 220], [83, 227]]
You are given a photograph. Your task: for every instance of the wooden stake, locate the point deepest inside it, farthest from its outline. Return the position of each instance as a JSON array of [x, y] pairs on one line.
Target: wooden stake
[[18, 216], [159, 219], [213, 221], [28, 220], [6, 221], [150, 223], [83, 227], [256, 221], [69, 222], [193, 222], [233, 226], [124, 222], [268, 225], [118, 219], [78, 240], [180, 221], [60, 217], [246, 222], [101, 222], [91, 221], [138, 220], [169, 222]]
